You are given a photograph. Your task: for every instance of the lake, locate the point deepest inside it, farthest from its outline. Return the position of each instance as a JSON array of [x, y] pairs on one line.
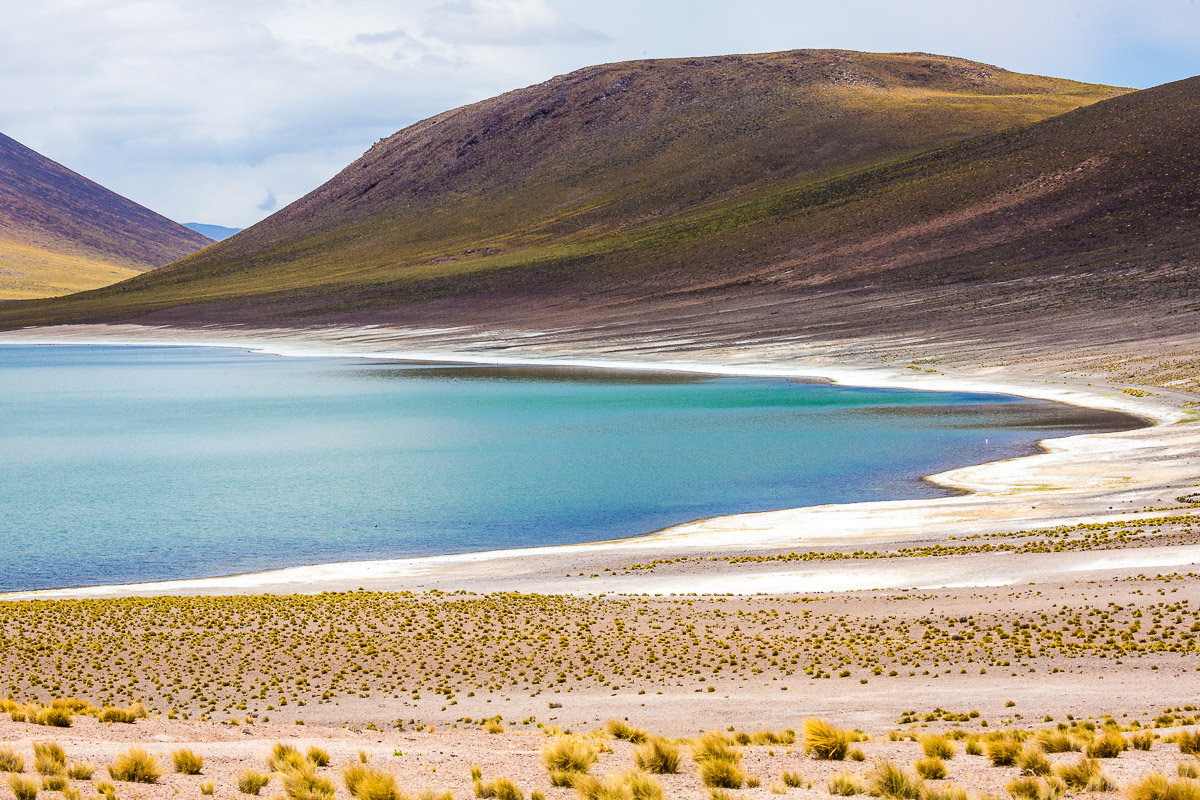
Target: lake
[[122, 464]]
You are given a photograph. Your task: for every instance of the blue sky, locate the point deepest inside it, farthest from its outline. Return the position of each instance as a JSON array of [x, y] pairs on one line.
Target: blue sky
[[222, 111]]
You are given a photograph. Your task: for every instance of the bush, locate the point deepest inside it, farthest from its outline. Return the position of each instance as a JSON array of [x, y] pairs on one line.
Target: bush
[[252, 781], [1035, 789], [49, 758], [844, 785], [931, 769], [1110, 745], [623, 730], [889, 780], [22, 788], [722, 773], [657, 756], [937, 746], [570, 754], [824, 741], [187, 762], [11, 760], [135, 766], [1003, 752], [1157, 786]]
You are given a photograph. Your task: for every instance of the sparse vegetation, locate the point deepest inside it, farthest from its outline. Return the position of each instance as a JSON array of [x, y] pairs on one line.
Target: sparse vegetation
[[252, 781], [187, 762], [657, 756], [824, 741], [889, 780], [843, 784], [135, 766], [22, 788]]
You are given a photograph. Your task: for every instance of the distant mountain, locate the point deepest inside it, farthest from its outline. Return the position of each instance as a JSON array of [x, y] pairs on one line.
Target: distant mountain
[[214, 232], [60, 232], [796, 191]]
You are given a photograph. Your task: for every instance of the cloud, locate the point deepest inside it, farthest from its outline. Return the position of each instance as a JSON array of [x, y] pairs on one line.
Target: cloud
[[193, 108]]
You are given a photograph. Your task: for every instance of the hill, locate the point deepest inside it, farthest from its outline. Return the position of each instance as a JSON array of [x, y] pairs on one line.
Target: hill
[[214, 232], [60, 232], [614, 189]]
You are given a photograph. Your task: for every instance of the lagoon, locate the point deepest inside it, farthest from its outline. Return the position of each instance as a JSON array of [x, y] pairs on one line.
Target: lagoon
[[133, 463]]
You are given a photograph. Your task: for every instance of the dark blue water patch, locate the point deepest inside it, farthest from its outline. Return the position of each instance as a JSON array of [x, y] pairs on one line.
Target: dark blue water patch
[[123, 464]]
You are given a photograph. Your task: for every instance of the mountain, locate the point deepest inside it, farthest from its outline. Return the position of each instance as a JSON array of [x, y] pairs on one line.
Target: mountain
[[60, 232], [214, 232], [645, 187]]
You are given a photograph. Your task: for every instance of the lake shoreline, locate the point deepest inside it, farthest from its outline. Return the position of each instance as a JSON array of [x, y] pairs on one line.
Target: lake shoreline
[[1073, 479]]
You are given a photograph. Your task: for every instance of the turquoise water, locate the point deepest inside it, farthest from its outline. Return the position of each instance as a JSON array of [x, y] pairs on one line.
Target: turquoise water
[[122, 464]]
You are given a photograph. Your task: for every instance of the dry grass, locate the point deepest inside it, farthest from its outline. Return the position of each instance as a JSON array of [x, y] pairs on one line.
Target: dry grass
[[937, 745], [187, 762], [252, 782], [11, 760], [49, 758], [1003, 752], [622, 730], [570, 754], [843, 784], [931, 768], [657, 756], [1035, 788], [498, 789], [1157, 786], [135, 766], [22, 788], [825, 742], [1108, 745], [889, 780]]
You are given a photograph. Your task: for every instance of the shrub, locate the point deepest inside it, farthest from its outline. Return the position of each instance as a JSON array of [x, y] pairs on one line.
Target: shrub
[[824, 741], [1189, 743], [11, 760], [285, 758], [187, 762], [844, 785], [570, 754], [889, 780], [500, 789], [49, 758], [54, 783], [931, 768], [1055, 741], [722, 773], [135, 766], [657, 756], [1033, 762], [80, 771], [1157, 786], [1142, 741], [22, 788], [1110, 745], [937, 746], [1035, 789], [623, 730], [1003, 752], [317, 757], [252, 781]]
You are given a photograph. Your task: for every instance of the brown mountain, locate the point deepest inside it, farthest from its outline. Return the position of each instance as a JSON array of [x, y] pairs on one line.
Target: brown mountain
[[801, 189], [60, 232]]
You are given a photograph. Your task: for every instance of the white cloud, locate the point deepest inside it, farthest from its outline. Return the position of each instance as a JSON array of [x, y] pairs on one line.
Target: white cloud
[[204, 110]]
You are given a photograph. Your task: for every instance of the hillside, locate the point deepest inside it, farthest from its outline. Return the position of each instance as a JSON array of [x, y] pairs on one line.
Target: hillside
[[60, 232], [630, 178]]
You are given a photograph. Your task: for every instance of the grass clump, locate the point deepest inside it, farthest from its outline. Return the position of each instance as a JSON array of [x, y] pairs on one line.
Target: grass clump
[[570, 755], [931, 768], [937, 746], [11, 760], [135, 766], [106, 790], [285, 758], [945, 793], [252, 781], [376, 785], [207, 788], [792, 780], [889, 780], [1003, 752], [1110, 745], [54, 783], [1031, 788], [618, 729], [49, 758], [1033, 761], [80, 771], [317, 757], [843, 784], [1056, 741], [22, 788], [187, 762], [303, 783], [631, 785], [1142, 741], [1157, 786], [973, 747], [825, 742], [499, 789], [1187, 769], [719, 761], [657, 756], [1189, 743]]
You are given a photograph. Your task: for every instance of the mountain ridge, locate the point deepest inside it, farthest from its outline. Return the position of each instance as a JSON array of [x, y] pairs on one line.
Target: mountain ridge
[[60, 231]]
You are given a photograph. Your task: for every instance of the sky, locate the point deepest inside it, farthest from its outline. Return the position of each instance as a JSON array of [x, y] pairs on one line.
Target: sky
[[223, 111]]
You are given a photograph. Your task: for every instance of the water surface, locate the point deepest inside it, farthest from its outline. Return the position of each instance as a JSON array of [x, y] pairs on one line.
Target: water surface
[[122, 464]]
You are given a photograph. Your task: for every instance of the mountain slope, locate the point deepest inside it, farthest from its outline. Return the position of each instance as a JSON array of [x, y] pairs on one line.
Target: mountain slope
[[626, 178], [60, 232]]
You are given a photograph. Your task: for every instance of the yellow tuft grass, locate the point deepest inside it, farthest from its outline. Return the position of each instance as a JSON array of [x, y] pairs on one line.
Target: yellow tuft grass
[[135, 766]]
